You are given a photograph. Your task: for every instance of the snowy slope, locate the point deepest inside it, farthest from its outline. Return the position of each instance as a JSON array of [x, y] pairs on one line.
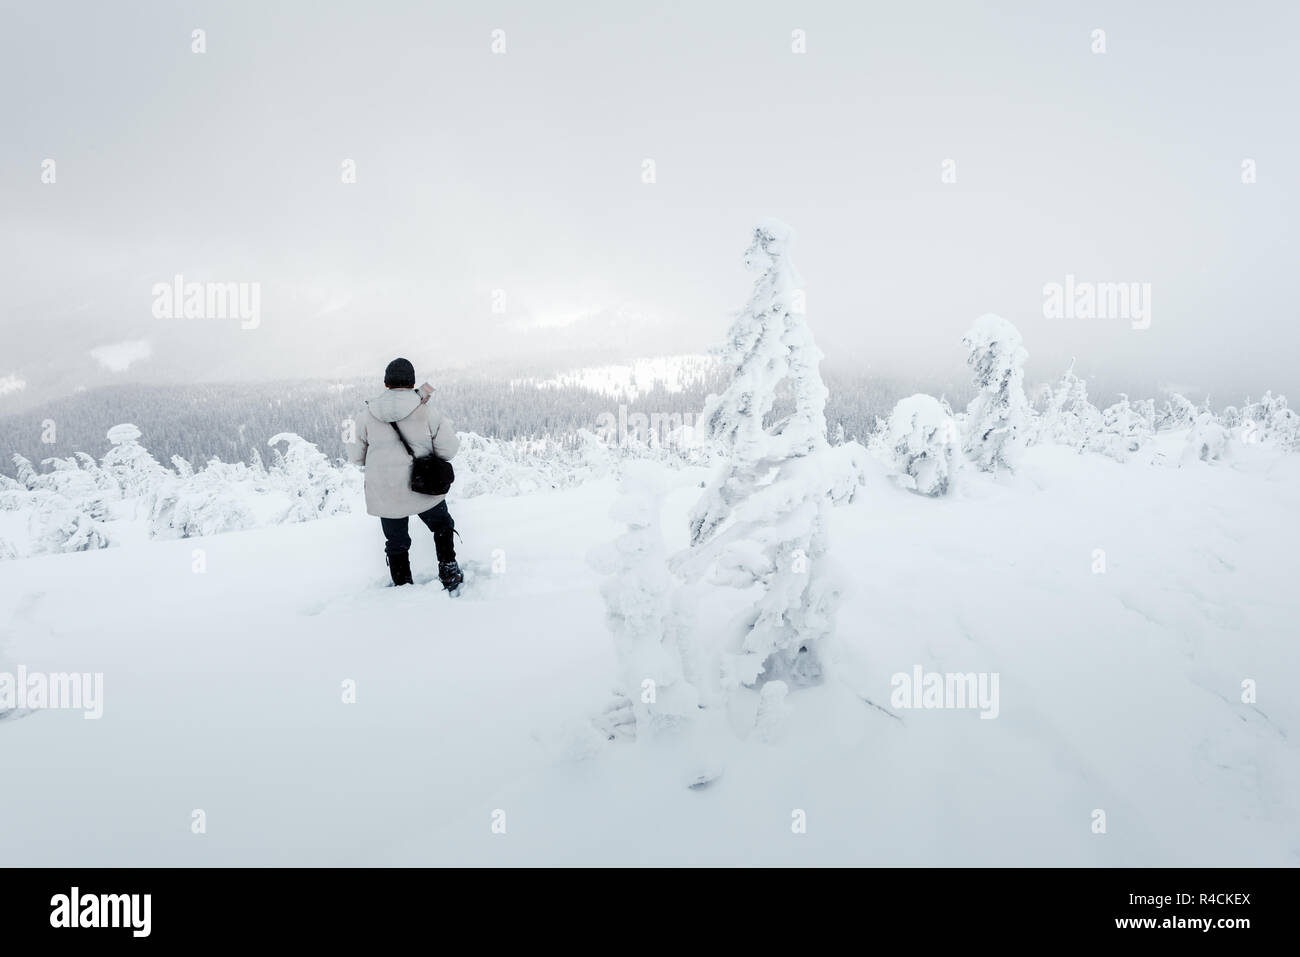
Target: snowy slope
[[1118, 691]]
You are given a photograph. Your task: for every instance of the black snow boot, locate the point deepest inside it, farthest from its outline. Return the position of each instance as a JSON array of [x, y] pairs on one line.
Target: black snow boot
[[445, 546], [399, 566], [450, 575]]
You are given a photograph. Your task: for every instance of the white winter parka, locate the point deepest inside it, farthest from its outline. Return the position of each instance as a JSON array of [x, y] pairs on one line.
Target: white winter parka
[[388, 466]]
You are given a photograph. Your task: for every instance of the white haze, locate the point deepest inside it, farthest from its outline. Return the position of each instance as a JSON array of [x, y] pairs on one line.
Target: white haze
[[522, 173]]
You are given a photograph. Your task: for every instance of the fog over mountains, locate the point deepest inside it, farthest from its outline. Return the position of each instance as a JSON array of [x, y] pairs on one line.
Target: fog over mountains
[[53, 359], [499, 208]]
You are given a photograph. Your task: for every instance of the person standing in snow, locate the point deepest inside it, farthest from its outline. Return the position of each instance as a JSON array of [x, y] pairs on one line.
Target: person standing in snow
[[388, 471]]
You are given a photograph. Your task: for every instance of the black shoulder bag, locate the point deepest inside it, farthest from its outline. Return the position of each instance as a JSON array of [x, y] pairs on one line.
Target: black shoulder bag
[[430, 475]]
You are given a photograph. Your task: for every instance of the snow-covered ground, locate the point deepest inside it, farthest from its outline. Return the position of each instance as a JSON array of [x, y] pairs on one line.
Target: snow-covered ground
[[1119, 691]]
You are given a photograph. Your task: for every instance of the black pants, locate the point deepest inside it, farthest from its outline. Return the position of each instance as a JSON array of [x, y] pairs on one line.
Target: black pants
[[397, 535]]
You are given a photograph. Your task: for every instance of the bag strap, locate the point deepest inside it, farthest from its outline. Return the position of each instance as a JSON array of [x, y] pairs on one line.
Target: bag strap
[[406, 445]]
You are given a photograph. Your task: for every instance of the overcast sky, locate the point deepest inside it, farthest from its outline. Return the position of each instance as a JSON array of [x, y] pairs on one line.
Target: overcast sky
[[522, 172]]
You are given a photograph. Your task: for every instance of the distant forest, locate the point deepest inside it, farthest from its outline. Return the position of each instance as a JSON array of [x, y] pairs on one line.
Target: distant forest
[[229, 421]]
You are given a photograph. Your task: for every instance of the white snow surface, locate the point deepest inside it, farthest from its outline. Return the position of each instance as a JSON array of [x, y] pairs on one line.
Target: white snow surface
[[1118, 691]]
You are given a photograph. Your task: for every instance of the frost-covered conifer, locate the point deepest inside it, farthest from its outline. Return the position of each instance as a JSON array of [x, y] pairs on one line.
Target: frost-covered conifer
[[255, 464], [1070, 419], [998, 418], [1145, 409], [848, 471], [217, 499], [1208, 440], [104, 482], [56, 525], [1178, 412], [921, 444], [763, 519], [25, 472], [1270, 420], [1124, 432], [315, 487], [132, 468], [66, 477], [639, 608]]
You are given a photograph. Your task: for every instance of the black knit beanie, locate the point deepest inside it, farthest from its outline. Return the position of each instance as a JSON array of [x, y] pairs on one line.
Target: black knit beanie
[[400, 374]]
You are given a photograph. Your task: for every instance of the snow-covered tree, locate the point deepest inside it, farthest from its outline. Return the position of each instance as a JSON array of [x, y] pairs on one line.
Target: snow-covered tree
[[487, 466], [1286, 428], [1070, 419], [104, 482], [921, 443], [209, 502], [132, 468], [593, 456], [65, 505], [1270, 420], [1178, 412], [1124, 432], [773, 713], [847, 470], [25, 472], [1208, 440], [1145, 409], [763, 518], [1040, 399], [55, 524], [315, 487], [255, 464], [11, 488], [69, 479], [998, 418], [638, 593]]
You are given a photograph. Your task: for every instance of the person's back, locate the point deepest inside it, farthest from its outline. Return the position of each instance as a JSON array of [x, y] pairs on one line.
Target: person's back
[[388, 470]]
